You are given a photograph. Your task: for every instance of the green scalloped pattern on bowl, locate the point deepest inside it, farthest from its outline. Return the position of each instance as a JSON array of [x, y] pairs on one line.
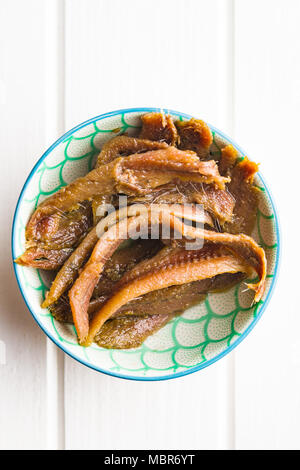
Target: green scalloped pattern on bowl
[[192, 341]]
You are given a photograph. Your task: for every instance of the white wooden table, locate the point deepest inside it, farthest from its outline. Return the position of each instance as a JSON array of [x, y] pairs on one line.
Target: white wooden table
[[235, 64]]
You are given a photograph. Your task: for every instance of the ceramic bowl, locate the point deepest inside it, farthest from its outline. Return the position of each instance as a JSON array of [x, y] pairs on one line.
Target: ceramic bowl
[[204, 333]]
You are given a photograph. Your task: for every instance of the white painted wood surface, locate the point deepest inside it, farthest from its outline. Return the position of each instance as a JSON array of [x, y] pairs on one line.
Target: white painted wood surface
[[235, 63]]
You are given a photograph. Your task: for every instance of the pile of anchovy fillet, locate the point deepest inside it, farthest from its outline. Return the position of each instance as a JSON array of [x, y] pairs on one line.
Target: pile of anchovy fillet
[[118, 289]]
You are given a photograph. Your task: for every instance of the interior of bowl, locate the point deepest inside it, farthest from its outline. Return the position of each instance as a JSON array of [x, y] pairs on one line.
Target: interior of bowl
[[203, 333]]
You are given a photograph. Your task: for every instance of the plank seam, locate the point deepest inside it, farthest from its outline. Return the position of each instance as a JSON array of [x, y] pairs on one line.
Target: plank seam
[[226, 100], [54, 67]]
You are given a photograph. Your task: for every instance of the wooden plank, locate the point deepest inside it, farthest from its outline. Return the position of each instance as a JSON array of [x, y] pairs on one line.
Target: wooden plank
[[22, 133], [140, 54], [166, 54], [267, 105], [108, 413]]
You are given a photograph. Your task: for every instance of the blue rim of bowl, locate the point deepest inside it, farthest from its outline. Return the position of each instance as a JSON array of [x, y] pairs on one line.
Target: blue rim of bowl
[[192, 369]]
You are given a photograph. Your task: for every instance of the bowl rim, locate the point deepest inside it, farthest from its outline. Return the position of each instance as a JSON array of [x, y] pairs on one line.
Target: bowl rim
[[192, 369]]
